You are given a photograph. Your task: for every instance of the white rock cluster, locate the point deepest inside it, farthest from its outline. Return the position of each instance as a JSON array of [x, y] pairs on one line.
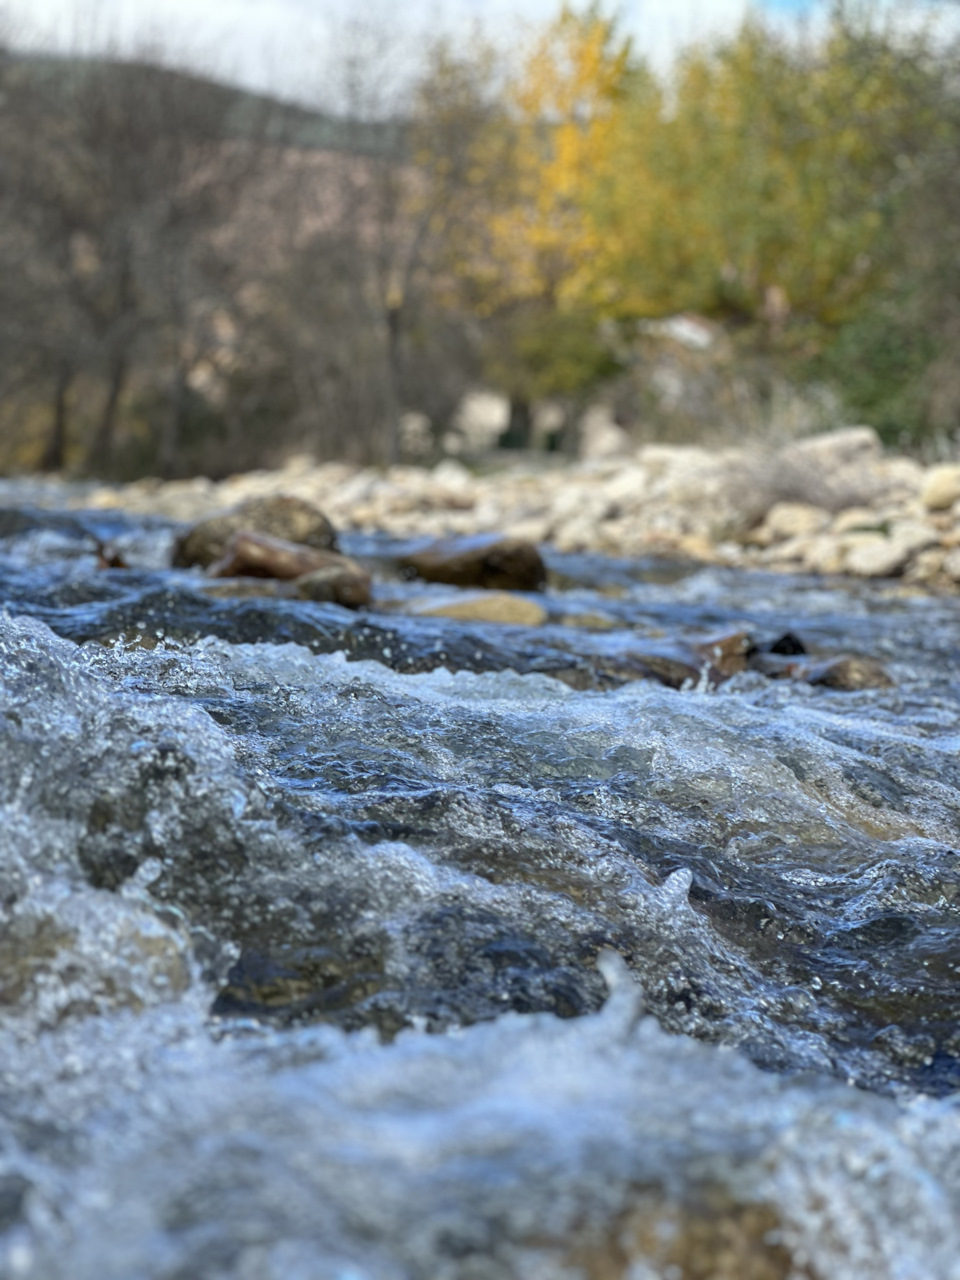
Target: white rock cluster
[[833, 503]]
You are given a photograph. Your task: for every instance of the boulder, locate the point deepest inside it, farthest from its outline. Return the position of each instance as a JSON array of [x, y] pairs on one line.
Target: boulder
[[484, 606], [290, 519], [488, 561], [941, 488]]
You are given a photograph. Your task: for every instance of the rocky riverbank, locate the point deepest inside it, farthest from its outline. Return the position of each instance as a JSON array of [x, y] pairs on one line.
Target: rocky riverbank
[[830, 504]]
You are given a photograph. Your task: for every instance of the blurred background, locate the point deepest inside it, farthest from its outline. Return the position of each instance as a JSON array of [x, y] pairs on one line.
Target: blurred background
[[271, 229]]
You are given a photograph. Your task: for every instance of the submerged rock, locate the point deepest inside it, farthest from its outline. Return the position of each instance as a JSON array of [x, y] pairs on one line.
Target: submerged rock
[[340, 581], [504, 564], [484, 606], [708, 1237], [288, 518]]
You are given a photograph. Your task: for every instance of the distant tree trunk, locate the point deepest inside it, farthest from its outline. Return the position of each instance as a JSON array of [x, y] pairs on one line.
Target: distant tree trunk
[[394, 327], [101, 455], [568, 438], [171, 434], [55, 451], [519, 432]]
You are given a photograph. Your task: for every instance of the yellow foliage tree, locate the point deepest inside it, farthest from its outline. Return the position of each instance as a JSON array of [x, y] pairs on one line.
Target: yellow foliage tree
[[761, 183]]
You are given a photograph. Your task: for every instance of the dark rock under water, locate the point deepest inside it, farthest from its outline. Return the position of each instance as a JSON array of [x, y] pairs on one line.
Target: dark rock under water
[[307, 922]]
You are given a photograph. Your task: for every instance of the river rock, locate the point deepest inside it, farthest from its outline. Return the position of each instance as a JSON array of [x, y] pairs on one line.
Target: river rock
[[726, 654], [316, 575], [488, 561], [951, 564], [484, 606], [876, 557], [342, 581], [672, 665], [257, 555], [881, 557], [709, 1237], [841, 448], [789, 520], [248, 588], [847, 672], [941, 488], [278, 516], [858, 520]]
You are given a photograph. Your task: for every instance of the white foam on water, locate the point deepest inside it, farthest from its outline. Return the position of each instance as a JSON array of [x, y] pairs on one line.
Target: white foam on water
[[144, 1140]]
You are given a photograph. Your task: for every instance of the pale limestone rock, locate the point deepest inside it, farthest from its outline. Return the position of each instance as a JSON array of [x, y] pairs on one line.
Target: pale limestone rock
[[790, 551], [941, 488], [824, 554], [928, 565], [530, 529], [877, 557], [575, 535], [627, 489], [914, 535], [901, 475], [856, 520], [951, 564], [837, 448], [794, 519]]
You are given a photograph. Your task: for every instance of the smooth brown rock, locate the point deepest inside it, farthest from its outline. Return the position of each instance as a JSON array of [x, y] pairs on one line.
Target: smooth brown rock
[[709, 1237], [484, 606], [290, 570], [109, 558], [287, 518], [503, 564], [346, 583], [673, 666], [848, 672], [256, 555], [248, 588], [589, 621]]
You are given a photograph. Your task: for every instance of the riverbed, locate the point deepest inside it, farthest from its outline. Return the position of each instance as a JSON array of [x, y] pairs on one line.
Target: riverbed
[[363, 944]]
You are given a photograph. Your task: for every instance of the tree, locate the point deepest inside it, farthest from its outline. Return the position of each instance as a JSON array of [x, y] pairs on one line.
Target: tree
[[119, 188]]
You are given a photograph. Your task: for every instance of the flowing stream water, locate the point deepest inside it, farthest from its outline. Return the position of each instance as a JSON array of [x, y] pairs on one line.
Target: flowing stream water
[[340, 946]]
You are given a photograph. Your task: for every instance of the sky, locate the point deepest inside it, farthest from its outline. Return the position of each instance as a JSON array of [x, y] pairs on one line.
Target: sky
[[277, 45]]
